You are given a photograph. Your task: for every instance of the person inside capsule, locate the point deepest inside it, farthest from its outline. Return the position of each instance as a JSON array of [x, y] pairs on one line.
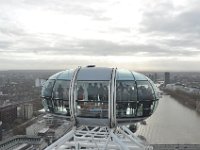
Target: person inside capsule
[[145, 96], [92, 99]]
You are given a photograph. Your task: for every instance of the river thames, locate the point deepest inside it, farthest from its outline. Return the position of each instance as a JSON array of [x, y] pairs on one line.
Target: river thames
[[172, 123]]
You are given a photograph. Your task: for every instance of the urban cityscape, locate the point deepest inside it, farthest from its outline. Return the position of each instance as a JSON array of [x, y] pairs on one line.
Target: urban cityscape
[[99, 74], [23, 118]]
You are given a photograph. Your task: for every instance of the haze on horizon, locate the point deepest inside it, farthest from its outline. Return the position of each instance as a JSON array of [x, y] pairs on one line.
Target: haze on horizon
[[149, 35]]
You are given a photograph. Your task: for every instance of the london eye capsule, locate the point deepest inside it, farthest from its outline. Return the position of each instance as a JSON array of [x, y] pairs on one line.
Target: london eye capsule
[[100, 96]]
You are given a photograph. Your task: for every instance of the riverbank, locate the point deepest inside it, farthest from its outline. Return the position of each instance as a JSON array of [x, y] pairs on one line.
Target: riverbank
[[172, 123], [189, 100]]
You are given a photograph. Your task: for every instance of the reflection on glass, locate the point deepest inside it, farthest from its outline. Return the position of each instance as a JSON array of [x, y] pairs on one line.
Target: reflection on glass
[[144, 108], [61, 90], [145, 91], [146, 96], [48, 105], [126, 97], [61, 97], [44, 103], [140, 110], [92, 99], [80, 93], [47, 88], [155, 89], [154, 106]]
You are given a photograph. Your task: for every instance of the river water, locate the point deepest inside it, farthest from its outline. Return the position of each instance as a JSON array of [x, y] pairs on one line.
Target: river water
[[172, 123]]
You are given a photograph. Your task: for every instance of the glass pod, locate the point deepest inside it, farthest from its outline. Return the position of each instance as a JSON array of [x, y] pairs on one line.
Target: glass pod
[[100, 96]]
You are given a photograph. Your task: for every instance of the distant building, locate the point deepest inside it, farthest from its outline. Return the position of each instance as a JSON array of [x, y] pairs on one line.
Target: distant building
[[8, 113], [167, 78], [26, 111], [0, 130], [39, 82], [155, 77], [33, 129], [22, 142], [151, 76]]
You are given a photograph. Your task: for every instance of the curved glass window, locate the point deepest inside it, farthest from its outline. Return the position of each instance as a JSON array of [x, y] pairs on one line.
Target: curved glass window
[[44, 103], [146, 96], [61, 97], [61, 90], [48, 104], [66, 75], [155, 89], [155, 106], [55, 75], [94, 74], [145, 91], [126, 99], [92, 99], [47, 88], [139, 76], [123, 74]]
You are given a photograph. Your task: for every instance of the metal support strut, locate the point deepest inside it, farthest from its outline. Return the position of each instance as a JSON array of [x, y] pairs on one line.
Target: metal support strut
[[100, 138]]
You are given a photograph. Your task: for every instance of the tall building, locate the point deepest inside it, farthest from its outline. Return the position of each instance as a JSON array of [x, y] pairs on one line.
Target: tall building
[[167, 78], [155, 77]]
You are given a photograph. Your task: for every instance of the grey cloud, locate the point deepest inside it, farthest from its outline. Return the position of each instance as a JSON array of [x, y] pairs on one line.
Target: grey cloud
[[4, 45], [100, 17], [125, 30], [158, 21], [180, 25], [42, 44], [161, 20], [11, 31], [183, 43], [173, 64], [77, 7]]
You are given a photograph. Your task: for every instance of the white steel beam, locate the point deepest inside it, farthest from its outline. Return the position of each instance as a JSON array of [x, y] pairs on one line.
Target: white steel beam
[[100, 138], [61, 141]]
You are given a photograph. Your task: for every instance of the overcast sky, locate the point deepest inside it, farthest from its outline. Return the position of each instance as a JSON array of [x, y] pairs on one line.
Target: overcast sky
[[157, 35]]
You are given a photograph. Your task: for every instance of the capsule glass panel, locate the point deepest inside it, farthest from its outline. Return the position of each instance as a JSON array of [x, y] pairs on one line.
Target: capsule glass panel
[[155, 89], [123, 74], [154, 106], [146, 96], [61, 97], [126, 99], [66, 75], [92, 99], [47, 88], [55, 76], [45, 104], [139, 76], [94, 74]]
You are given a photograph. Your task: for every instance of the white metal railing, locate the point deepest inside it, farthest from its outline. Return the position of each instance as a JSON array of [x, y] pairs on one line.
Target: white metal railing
[[101, 138]]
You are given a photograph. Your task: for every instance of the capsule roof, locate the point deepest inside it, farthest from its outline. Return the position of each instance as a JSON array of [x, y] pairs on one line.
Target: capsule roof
[[97, 74]]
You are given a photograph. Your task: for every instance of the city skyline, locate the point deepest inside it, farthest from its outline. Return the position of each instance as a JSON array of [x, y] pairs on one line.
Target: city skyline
[[137, 35]]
